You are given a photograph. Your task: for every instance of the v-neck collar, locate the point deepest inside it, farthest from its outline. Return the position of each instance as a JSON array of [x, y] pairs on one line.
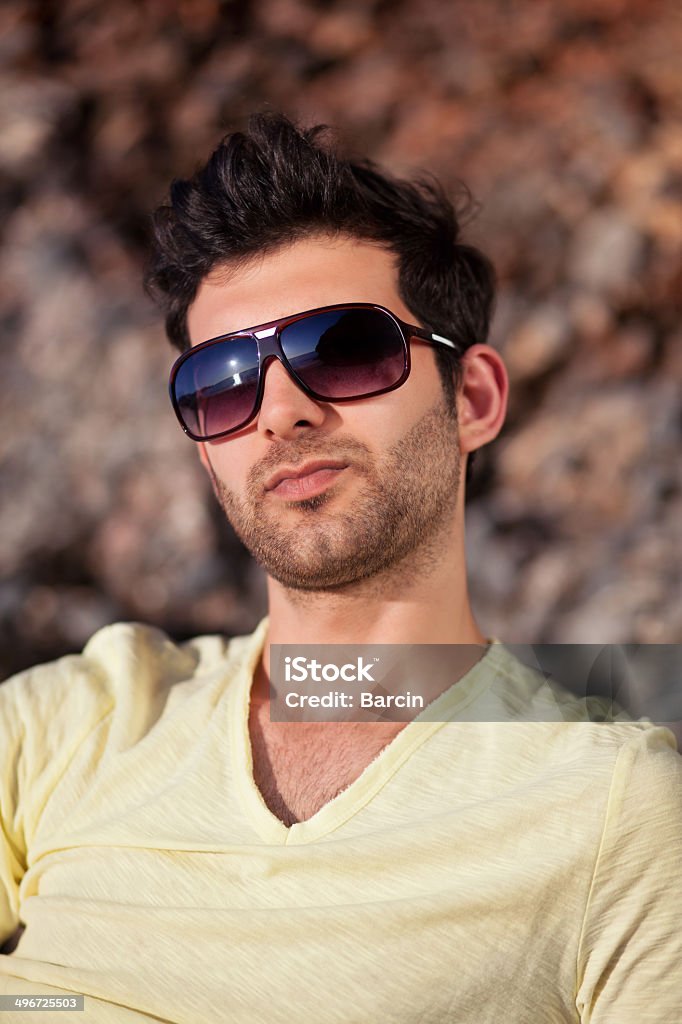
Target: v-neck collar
[[378, 772]]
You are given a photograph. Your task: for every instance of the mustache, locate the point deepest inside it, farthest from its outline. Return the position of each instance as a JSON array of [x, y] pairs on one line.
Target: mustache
[[295, 453]]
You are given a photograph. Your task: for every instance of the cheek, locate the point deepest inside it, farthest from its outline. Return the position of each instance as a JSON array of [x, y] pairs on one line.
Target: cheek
[[420, 392], [226, 462], [424, 375]]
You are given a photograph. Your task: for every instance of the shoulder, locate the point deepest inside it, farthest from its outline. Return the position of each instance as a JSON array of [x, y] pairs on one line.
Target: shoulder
[[646, 788], [123, 669], [535, 725], [632, 767], [631, 938], [531, 694]]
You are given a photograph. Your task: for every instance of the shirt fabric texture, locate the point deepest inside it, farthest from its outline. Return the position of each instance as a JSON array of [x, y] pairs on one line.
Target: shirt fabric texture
[[483, 869]]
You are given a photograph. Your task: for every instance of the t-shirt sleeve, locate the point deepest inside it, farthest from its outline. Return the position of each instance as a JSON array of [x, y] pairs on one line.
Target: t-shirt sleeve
[[118, 686], [12, 846], [630, 954], [45, 714]]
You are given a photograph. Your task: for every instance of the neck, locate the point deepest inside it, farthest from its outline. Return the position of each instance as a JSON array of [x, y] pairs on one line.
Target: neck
[[421, 601]]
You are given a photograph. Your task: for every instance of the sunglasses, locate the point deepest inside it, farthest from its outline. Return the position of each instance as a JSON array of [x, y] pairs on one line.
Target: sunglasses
[[334, 354]]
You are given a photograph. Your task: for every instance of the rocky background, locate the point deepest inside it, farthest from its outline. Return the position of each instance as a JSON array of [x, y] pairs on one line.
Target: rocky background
[[564, 119]]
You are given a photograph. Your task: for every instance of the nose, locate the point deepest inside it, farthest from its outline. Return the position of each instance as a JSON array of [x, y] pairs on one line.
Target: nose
[[286, 411]]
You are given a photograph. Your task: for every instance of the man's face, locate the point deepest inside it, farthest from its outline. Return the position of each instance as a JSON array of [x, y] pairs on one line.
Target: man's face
[[327, 494]]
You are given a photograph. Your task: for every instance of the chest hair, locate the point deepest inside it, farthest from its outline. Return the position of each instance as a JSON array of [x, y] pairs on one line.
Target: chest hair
[[300, 766]]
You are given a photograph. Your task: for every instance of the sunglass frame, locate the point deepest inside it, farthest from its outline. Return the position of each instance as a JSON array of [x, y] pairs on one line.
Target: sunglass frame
[[269, 346]]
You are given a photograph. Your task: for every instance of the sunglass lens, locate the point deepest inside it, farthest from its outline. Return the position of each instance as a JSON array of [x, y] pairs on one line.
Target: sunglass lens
[[216, 387], [345, 353]]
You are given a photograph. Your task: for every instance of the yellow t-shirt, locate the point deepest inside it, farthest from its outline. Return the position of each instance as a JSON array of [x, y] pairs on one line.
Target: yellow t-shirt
[[525, 872]]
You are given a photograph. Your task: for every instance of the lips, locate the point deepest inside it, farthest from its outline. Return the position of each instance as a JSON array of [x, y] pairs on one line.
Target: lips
[[305, 480]]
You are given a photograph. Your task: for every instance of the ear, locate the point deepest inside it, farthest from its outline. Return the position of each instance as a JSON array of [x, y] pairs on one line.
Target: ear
[[482, 397]]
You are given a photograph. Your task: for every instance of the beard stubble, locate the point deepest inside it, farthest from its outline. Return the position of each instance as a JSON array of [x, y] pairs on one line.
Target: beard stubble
[[404, 504]]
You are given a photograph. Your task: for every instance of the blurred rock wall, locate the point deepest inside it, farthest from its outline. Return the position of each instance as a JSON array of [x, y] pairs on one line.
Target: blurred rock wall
[[563, 118]]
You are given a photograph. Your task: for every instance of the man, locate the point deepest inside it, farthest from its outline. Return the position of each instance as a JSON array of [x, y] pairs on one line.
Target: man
[[174, 852]]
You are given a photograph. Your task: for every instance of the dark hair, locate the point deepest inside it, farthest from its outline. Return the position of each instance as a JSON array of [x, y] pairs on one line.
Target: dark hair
[[277, 183]]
